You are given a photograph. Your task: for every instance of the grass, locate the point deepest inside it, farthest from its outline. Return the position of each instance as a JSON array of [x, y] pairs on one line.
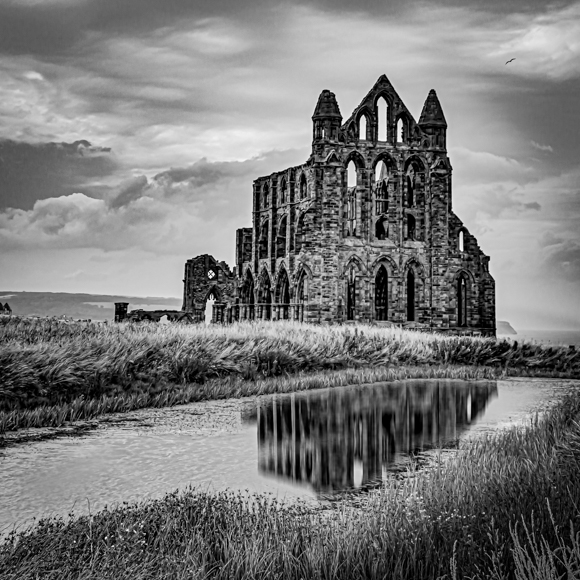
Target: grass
[[53, 371], [506, 507]]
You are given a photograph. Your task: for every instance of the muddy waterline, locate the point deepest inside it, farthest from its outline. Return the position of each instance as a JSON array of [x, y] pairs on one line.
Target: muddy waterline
[[307, 445]]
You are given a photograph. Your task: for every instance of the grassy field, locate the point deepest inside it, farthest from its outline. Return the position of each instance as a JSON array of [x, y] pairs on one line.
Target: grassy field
[[53, 371], [506, 507]]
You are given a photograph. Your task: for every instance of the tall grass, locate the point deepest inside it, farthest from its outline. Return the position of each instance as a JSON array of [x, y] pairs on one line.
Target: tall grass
[[76, 368], [82, 409], [506, 507]]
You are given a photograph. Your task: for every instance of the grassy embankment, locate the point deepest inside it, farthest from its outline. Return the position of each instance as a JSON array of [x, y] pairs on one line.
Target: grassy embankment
[[505, 507], [53, 371]]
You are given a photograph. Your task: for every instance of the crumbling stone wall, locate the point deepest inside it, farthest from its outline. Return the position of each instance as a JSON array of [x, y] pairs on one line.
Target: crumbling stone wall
[[385, 248], [205, 277]]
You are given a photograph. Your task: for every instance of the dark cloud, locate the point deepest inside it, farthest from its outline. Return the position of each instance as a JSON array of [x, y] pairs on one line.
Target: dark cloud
[[160, 215], [127, 192], [29, 172], [57, 27]]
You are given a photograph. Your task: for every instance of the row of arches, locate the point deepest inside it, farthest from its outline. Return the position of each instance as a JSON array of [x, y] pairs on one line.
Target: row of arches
[[385, 184], [261, 301], [382, 292], [280, 300], [265, 197], [284, 239], [391, 164], [385, 181], [378, 123]]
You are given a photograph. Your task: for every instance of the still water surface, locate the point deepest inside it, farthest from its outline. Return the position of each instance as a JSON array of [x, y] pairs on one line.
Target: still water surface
[[306, 444]]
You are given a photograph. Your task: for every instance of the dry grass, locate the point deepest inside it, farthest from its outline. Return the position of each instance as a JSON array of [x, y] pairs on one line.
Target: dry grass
[[52, 371], [506, 508]]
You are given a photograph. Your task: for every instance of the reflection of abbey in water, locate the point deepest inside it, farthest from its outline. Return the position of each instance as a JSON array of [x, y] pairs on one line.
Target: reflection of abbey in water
[[347, 437]]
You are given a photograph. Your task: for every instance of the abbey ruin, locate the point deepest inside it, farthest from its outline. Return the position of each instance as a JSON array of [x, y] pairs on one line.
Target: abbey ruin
[[363, 231]]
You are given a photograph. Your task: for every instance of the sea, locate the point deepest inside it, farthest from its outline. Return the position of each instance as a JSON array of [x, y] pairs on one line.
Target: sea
[[548, 337]]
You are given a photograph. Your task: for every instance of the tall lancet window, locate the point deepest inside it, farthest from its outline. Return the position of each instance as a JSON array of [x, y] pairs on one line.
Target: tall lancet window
[[381, 293], [351, 295], [410, 193], [411, 296], [349, 209], [382, 120], [362, 128], [462, 301], [381, 188]]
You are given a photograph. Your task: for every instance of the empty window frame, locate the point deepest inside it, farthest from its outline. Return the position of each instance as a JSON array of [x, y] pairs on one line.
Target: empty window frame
[[281, 238], [263, 241], [411, 233], [400, 131], [410, 187], [381, 188], [265, 196], [462, 300], [411, 296], [382, 120], [351, 295], [349, 212], [381, 229], [303, 187], [362, 128], [381, 294]]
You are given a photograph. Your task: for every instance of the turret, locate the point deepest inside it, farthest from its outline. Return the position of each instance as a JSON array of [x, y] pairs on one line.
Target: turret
[[326, 119], [433, 123]]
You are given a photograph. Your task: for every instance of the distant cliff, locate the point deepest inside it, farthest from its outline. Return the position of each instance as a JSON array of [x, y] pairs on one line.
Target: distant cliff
[[83, 306], [504, 327]]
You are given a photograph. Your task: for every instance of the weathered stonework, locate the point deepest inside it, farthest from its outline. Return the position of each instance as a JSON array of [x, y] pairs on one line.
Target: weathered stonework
[[386, 247]]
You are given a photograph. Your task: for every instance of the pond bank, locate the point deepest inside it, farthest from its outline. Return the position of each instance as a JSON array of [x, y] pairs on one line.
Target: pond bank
[[327, 442], [454, 522]]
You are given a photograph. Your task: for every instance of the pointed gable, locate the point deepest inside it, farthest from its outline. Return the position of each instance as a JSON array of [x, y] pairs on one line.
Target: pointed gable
[[382, 88], [432, 113]]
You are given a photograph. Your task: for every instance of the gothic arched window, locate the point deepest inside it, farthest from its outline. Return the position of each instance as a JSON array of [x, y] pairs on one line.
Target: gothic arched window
[[462, 300], [381, 294], [382, 120], [410, 296], [303, 186], [362, 128], [351, 295]]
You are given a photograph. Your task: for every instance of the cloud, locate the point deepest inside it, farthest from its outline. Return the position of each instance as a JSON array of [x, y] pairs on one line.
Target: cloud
[[198, 206], [562, 260], [542, 147], [547, 45], [30, 171]]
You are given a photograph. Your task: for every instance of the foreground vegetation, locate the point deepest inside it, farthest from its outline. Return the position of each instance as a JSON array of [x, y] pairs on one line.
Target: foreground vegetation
[[53, 371], [505, 507]]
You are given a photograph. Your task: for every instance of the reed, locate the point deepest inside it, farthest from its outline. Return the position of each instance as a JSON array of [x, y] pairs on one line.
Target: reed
[[52, 368], [506, 507]]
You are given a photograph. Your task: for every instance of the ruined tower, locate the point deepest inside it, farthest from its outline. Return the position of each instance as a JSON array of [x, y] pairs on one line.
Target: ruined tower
[[363, 231]]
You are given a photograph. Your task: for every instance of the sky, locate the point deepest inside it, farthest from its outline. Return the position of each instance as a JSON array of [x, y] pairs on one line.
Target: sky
[[131, 132]]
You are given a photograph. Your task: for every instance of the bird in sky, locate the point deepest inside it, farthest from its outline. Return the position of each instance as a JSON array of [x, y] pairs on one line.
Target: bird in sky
[[510, 60]]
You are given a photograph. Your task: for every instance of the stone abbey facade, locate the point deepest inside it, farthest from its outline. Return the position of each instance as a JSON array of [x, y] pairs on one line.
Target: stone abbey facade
[[363, 231]]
